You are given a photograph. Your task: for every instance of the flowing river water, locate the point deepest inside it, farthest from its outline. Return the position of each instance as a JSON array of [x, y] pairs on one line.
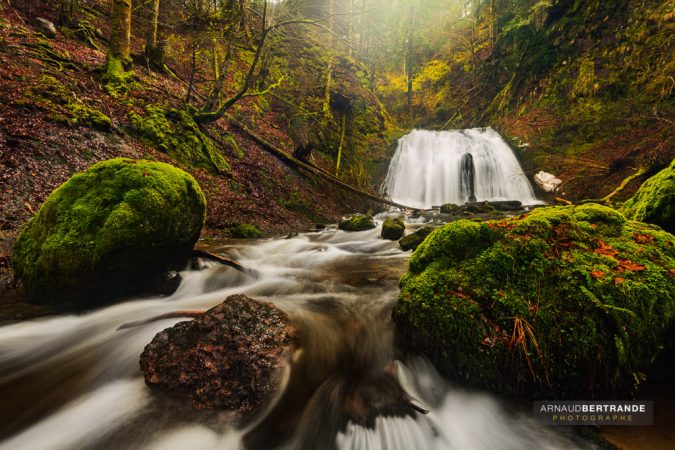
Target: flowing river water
[[73, 381]]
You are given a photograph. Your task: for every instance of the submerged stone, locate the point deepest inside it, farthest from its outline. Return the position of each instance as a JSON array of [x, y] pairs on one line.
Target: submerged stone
[[654, 202], [359, 222], [229, 358], [393, 229], [109, 231], [559, 302]]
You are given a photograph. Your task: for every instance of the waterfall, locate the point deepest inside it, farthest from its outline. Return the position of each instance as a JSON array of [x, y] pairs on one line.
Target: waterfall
[[435, 167]]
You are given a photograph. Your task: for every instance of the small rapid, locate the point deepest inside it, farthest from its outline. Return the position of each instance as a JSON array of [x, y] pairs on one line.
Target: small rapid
[[73, 381], [431, 168]]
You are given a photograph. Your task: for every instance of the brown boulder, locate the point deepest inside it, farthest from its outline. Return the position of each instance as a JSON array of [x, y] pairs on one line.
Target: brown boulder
[[229, 358]]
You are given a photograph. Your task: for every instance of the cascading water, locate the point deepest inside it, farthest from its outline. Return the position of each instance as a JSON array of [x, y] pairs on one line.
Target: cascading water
[[431, 168], [73, 382]]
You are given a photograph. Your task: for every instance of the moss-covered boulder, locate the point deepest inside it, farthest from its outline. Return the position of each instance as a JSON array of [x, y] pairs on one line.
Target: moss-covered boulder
[[359, 222], [654, 202], [450, 208], [393, 229], [560, 302], [413, 240], [109, 231]]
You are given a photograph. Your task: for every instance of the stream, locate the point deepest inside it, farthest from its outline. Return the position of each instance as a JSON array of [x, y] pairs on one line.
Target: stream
[[73, 381]]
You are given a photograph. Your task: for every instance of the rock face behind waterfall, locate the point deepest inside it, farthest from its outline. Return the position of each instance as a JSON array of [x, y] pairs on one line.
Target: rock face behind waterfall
[[229, 358], [654, 202], [109, 231], [561, 301]]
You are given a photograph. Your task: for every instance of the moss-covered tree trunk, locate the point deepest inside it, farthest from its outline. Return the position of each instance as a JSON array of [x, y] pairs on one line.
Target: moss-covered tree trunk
[[153, 51], [118, 58], [66, 8]]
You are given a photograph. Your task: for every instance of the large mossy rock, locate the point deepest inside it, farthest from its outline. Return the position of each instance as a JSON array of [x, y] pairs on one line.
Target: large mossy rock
[[359, 222], [229, 358], [559, 302], [109, 231], [654, 202]]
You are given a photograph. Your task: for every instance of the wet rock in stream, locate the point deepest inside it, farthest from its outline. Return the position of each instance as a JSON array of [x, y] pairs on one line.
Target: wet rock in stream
[[230, 358]]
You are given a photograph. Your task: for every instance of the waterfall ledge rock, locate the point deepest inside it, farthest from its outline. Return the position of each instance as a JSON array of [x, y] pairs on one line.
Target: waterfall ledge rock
[[567, 301], [229, 358]]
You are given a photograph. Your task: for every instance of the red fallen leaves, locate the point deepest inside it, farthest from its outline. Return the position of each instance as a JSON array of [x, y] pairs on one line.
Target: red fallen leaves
[[606, 249], [623, 265], [618, 280], [643, 238], [628, 265]]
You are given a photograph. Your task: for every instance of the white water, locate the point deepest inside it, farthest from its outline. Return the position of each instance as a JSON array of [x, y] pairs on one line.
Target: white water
[[73, 382], [425, 170]]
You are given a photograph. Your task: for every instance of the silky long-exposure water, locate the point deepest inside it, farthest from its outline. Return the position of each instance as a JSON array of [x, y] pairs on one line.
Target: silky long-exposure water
[[430, 168], [73, 382]]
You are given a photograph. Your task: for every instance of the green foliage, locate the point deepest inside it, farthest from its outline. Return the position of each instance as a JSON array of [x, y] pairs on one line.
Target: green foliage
[[359, 222], [108, 231], [175, 132], [115, 77], [562, 301], [654, 202], [65, 106], [393, 229], [244, 231]]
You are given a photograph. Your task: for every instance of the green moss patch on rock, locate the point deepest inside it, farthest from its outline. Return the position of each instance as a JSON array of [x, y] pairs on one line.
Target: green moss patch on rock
[[560, 302], [654, 202], [175, 132], [413, 240], [65, 107], [109, 231], [393, 229], [359, 222], [244, 231]]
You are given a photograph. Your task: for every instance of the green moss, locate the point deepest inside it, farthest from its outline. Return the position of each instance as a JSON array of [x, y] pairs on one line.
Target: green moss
[[244, 231], [108, 231], [654, 202], [563, 301], [393, 229], [115, 76], [175, 132], [413, 240], [65, 106], [359, 222]]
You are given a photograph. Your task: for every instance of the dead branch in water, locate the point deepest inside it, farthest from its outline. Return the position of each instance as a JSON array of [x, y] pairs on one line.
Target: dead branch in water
[[171, 315], [223, 260]]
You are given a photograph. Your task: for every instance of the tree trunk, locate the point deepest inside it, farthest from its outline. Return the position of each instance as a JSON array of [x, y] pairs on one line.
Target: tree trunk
[[211, 116], [362, 34], [326, 98], [409, 66], [120, 36], [118, 57], [350, 29], [153, 52], [342, 141], [66, 12]]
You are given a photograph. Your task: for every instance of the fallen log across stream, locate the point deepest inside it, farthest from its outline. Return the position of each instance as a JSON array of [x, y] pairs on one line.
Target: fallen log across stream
[[295, 162]]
